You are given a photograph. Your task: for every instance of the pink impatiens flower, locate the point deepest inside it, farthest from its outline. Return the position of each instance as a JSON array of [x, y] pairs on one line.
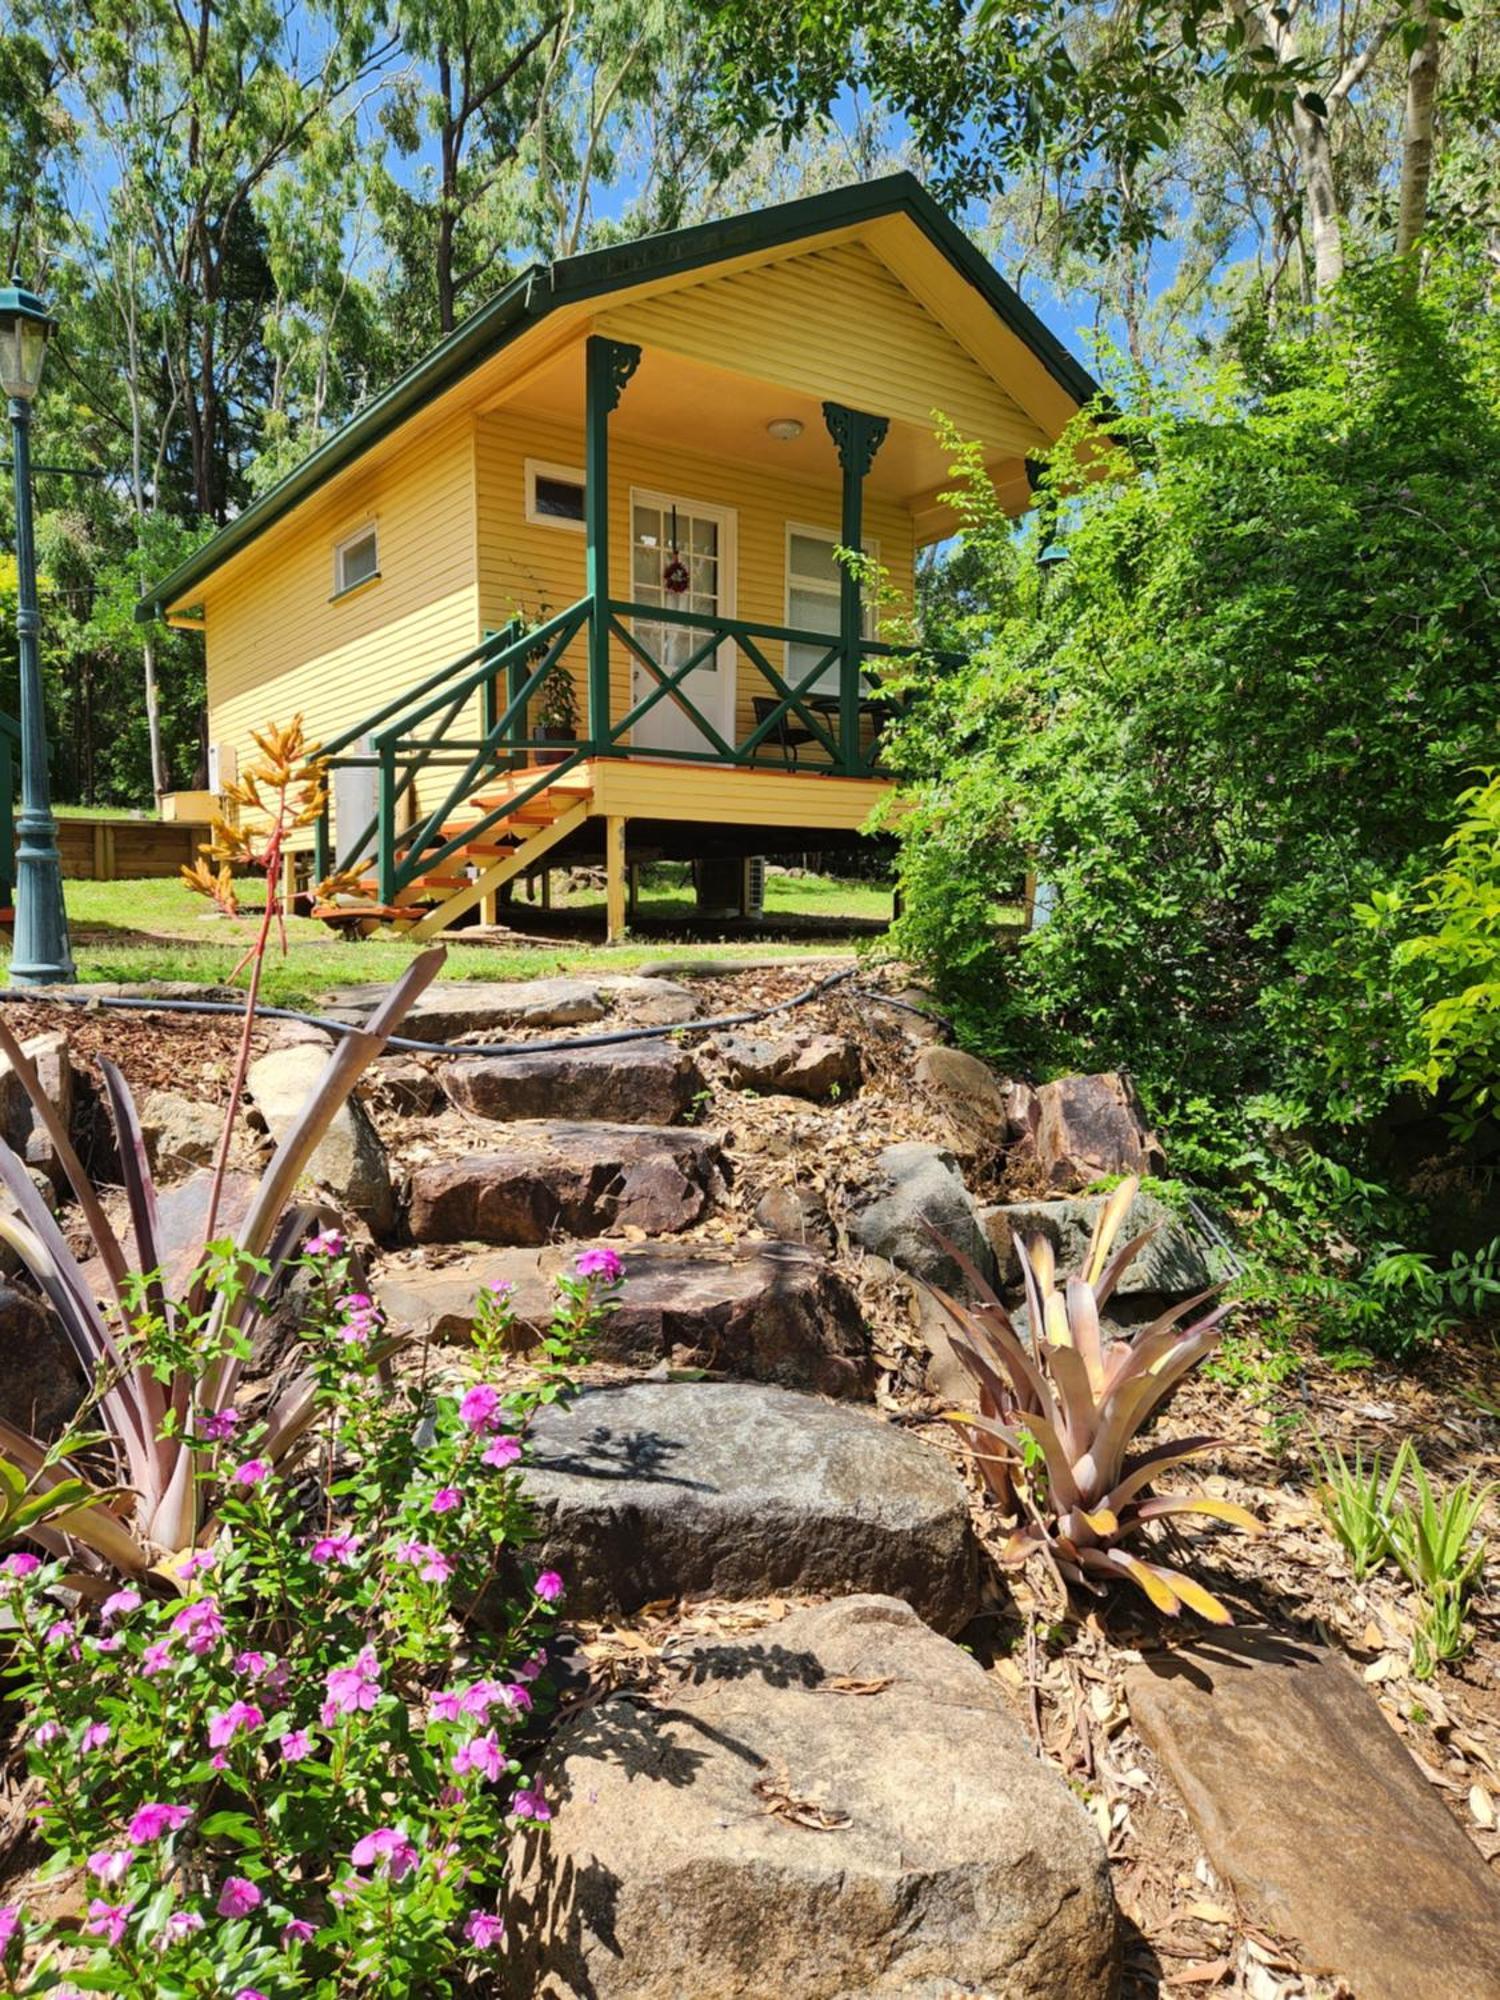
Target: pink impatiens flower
[[549, 1586], [152, 1821], [352, 1689], [529, 1804], [252, 1472], [204, 1559], [227, 1724], [238, 1897], [298, 1931], [111, 1864], [501, 1451], [389, 1849], [181, 1924], [45, 1733], [484, 1930], [447, 1500], [10, 1924], [479, 1406], [156, 1658], [217, 1425], [602, 1264], [22, 1563], [95, 1736], [336, 1549], [296, 1744], [429, 1563], [107, 1920], [327, 1243], [117, 1605], [200, 1625], [483, 1754]]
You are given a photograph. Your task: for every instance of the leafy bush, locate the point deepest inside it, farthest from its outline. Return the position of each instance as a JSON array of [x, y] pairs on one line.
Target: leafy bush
[[1068, 1406], [291, 1769]]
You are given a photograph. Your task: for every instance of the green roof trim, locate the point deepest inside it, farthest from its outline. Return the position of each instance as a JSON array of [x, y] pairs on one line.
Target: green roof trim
[[543, 288]]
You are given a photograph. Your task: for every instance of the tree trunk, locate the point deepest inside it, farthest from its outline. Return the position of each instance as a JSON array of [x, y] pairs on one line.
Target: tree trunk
[[1315, 161], [153, 715], [1417, 136]]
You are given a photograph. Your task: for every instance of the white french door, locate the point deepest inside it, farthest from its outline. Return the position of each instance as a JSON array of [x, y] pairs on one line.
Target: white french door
[[666, 532]]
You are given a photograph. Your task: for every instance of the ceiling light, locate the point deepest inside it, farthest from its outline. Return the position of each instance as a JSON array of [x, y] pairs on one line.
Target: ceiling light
[[784, 429]]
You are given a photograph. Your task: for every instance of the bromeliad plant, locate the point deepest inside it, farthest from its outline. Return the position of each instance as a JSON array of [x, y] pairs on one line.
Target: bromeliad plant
[[297, 1774], [1067, 1408]]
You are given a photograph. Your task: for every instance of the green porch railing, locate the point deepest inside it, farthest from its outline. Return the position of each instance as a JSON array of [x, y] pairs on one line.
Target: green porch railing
[[10, 765], [414, 734]]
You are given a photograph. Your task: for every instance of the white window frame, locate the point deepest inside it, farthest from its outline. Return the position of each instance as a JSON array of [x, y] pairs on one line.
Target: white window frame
[[572, 475], [834, 591], [366, 531]]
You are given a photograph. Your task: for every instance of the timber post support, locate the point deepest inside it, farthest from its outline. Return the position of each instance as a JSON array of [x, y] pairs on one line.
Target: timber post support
[[614, 879], [608, 366], [857, 437]]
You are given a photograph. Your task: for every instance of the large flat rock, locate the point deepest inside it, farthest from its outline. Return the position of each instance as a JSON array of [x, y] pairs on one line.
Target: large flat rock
[[464, 1010], [643, 1083], [541, 1182], [349, 1159], [765, 1311], [659, 1489], [1311, 1809], [835, 1807]]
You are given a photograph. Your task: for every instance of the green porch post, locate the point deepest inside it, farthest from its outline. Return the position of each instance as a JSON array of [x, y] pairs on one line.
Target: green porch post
[[858, 437], [608, 366]]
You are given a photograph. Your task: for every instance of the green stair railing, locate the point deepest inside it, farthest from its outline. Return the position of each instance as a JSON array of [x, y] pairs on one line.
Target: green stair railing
[[412, 734]]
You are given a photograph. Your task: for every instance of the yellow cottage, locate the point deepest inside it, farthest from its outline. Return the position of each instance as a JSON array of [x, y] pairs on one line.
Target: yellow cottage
[[571, 586]]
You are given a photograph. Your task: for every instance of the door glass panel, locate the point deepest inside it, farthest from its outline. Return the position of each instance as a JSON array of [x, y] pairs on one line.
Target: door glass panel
[[666, 726]]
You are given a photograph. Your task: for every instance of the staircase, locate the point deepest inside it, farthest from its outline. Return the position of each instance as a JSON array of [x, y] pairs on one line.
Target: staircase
[[504, 844]]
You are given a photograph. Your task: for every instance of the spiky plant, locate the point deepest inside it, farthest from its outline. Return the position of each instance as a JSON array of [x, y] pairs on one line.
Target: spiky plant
[[1066, 1409]]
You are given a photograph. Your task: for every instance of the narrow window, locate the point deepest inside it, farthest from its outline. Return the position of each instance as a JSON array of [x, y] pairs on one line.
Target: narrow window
[[554, 495], [813, 577], [356, 560]]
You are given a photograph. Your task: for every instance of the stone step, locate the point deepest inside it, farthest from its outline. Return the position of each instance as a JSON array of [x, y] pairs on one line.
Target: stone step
[[839, 1804], [643, 1083], [792, 1064], [544, 1181], [737, 1490], [764, 1311], [1311, 1809], [460, 1010]]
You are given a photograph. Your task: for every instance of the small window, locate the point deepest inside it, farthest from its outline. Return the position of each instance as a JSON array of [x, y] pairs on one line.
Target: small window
[[356, 560], [814, 577], [554, 495]]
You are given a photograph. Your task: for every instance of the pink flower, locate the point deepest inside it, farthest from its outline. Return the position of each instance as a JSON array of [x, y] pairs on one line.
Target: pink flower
[[10, 1924], [500, 1289], [217, 1425], [298, 1931], [529, 1804], [107, 1920], [111, 1864], [203, 1560], [478, 1408], [296, 1744], [95, 1736], [238, 1897], [252, 1472], [117, 1606], [327, 1243], [388, 1847], [45, 1733], [255, 1666], [482, 1754], [156, 1658], [446, 1500], [501, 1451], [200, 1624], [336, 1548], [59, 1634], [181, 1924], [227, 1724], [549, 1586], [529, 1669], [445, 1706], [429, 1563], [250, 1993], [484, 1930], [361, 1319], [106, 1645], [22, 1563], [602, 1264], [351, 1689], [152, 1821]]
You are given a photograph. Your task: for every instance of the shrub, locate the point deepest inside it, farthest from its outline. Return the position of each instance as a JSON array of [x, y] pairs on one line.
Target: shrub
[[290, 1765]]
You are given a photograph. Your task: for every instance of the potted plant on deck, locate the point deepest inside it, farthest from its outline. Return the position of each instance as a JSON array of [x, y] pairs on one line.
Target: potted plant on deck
[[556, 713]]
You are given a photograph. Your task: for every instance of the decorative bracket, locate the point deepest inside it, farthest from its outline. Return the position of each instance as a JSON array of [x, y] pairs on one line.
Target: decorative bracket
[[616, 361], [856, 435]]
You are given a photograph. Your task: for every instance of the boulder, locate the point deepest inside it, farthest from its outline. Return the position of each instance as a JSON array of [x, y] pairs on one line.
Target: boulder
[[20, 1127], [795, 1214], [1311, 1809], [545, 1181], [477, 1009], [41, 1382], [766, 1312], [403, 1085], [921, 1190], [644, 1083], [1090, 1126], [658, 1489], [1173, 1265], [813, 1066], [350, 1161], [180, 1132], [836, 1807], [970, 1100]]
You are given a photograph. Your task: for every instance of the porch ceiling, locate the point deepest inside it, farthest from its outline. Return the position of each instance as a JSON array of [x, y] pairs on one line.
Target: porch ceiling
[[724, 414]]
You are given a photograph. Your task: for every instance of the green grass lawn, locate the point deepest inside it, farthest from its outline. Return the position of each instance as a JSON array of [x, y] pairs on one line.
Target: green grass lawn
[[667, 891], [131, 931]]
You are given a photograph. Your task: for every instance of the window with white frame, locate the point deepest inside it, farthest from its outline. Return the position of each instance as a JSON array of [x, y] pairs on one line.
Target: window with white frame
[[814, 577], [554, 495], [356, 559]]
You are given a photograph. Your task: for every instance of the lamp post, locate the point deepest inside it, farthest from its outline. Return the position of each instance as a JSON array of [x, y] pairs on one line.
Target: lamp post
[[40, 954]]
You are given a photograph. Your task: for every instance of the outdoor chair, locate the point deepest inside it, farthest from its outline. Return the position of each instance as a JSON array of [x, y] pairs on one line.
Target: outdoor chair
[[784, 735]]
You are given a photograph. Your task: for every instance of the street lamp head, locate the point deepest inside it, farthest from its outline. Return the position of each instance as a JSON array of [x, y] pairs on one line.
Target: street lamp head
[[25, 328]]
